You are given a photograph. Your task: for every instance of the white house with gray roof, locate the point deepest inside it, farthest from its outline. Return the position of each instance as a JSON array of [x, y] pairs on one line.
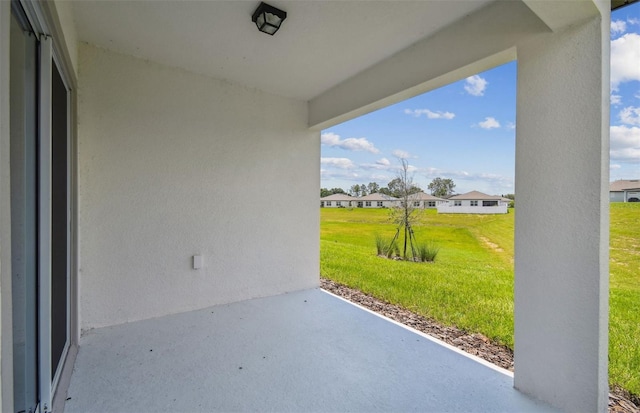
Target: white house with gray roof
[[376, 200], [474, 202], [424, 200], [337, 201], [625, 190]]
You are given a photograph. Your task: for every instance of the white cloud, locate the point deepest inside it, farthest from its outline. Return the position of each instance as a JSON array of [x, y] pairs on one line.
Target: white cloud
[[615, 166], [475, 85], [625, 55], [380, 166], [489, 123], [342, 174], [430, 114], [615, 100], [618, 27], [625, 143], [383, 162], [399, 153], [633, 21], [349, 144], [343, 163], [490, 183], [379, 178], [510, 126], [630, 115]]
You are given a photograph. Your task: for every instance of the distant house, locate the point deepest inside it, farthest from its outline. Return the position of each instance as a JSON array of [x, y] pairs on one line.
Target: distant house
[[422, 200], [337, 201], [376, 200], [474, 202], [625, 191]]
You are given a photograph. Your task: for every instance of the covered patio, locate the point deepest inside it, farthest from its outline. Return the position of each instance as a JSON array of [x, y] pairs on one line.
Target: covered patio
[[161, 160], [307, 351]]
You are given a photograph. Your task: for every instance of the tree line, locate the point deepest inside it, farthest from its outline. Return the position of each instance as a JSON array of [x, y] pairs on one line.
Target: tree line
[[396, 188]]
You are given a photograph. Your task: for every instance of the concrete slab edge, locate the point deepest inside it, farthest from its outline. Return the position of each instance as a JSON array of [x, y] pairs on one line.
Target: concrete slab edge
[[428, 337]]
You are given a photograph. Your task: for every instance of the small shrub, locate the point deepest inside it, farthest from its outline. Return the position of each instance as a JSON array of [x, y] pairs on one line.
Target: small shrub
[[386, 249], [427, 252], [381, 245]]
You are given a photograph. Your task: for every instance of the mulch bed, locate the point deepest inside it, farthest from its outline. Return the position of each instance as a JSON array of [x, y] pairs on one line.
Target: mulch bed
[[620, 401]]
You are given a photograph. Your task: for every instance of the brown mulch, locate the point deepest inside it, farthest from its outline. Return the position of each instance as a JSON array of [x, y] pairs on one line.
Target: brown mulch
[[478, 345]]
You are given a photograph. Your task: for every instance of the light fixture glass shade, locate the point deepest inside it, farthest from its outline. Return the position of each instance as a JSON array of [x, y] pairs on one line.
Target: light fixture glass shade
[[268, 19]]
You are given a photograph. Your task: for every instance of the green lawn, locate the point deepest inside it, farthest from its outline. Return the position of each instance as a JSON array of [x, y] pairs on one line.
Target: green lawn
[[471, 283]]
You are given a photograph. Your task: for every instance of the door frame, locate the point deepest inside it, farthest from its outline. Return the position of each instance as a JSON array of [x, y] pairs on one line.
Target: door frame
[[42, 17]]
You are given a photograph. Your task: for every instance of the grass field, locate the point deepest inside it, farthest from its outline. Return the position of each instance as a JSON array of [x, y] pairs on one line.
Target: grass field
[[471, 283]]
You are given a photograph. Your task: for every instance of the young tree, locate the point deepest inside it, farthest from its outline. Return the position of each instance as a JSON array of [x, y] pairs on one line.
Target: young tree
[[324, 192], [373, 187], [441, 187], [337, 191], [363, 190], [355, 190], [404, 215]]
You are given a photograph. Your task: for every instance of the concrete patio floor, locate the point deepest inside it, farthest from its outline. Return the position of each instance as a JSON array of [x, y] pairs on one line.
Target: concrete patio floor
[[307, 351]]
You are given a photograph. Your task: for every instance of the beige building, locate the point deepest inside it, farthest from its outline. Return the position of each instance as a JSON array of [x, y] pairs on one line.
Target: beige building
[[376, 200], [337, 201], [625, 191], [474, 202], [424, 200]]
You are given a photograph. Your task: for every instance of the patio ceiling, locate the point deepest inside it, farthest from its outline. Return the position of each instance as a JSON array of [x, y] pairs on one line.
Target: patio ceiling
[[320, 44]]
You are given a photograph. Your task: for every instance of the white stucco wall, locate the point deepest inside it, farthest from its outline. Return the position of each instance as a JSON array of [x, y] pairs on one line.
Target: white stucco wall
[[467, 209], [170, 164], [561, 252]]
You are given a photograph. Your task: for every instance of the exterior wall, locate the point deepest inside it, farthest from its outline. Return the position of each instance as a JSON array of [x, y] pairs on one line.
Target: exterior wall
[[374, 204], [425, 204], [343, 204], [561, 252], [623, 196], [467, 209], [167, 159], [617, 196]]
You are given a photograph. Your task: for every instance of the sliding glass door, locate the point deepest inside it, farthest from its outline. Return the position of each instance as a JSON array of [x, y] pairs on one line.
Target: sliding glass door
[[40, 214], [24, 213]]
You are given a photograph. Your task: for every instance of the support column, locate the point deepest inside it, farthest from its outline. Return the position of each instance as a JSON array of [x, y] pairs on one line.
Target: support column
[[562, 221]]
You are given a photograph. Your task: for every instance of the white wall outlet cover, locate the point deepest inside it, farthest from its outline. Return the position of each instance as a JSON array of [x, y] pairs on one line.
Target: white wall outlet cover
[[197, 262]]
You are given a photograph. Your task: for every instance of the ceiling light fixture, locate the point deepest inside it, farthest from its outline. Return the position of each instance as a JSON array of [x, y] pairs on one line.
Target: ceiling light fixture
[[268, 18]]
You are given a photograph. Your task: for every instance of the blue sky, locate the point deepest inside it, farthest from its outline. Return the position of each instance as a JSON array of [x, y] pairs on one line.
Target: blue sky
[[466, 130]]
